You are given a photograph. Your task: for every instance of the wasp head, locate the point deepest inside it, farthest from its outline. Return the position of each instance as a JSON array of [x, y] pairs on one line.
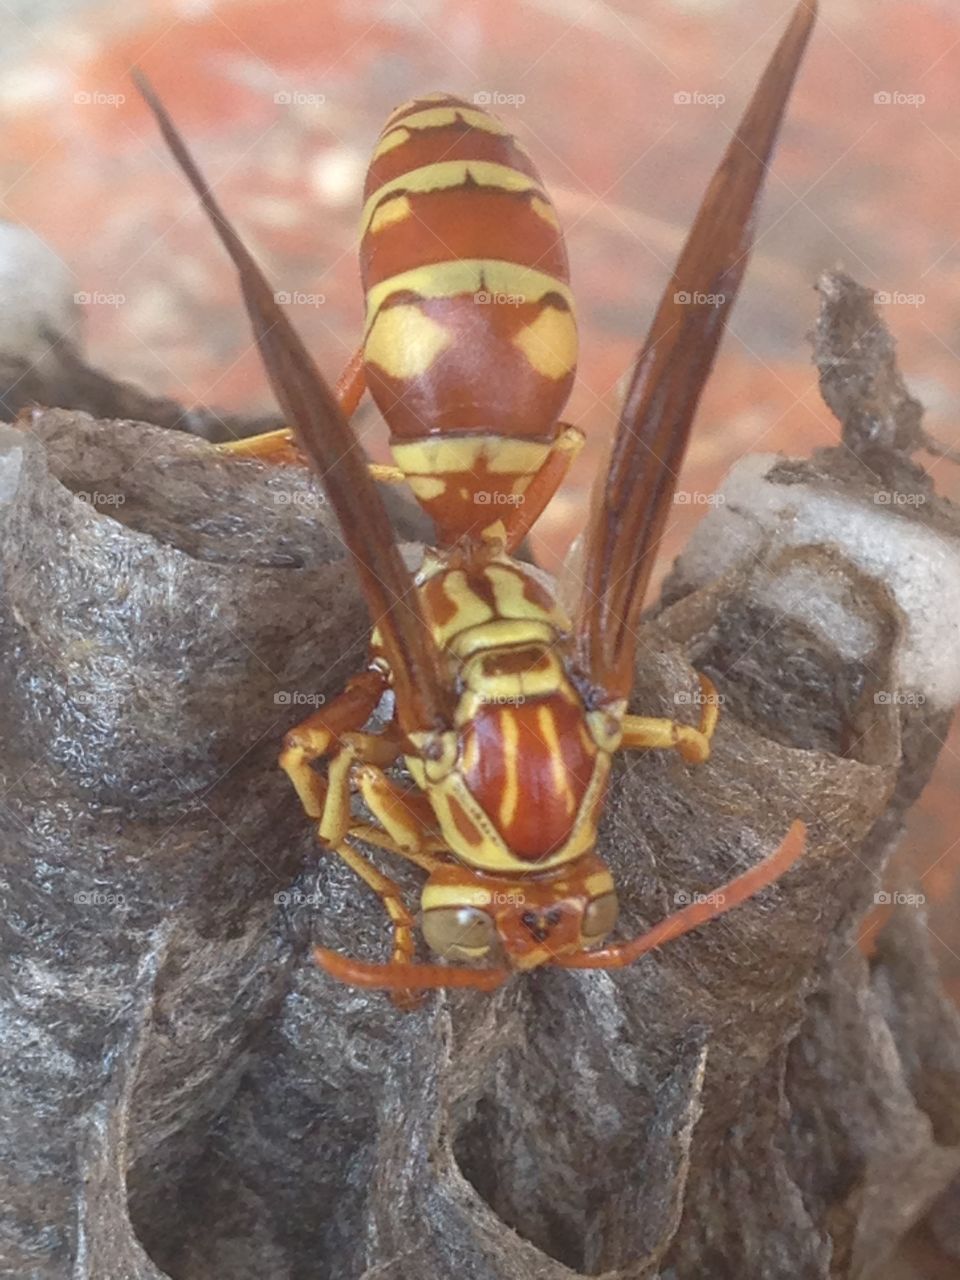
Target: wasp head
[[522, 921]]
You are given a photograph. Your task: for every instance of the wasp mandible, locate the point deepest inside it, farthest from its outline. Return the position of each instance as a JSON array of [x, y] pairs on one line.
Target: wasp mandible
[[506, 712]]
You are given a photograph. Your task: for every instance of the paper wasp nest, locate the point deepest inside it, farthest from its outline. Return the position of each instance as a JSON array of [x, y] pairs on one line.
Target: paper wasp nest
[[188, 1096]]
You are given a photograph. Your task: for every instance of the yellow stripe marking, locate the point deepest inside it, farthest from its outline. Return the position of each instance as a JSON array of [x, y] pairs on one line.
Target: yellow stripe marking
[[471, 755], [599, 883], [561, 783], [454, 895], [550, 343], [404, 342], [545, 210], [446, 174], [466, 453], [437, 118], [507, 585], [470, 610], [396, 210], [494, 635], [471, 275], [415, 102], [427, 487], [510, 745], [390, 141]]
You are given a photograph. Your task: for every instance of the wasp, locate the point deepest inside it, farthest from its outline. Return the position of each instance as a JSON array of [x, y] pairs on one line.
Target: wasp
[[502, 713]]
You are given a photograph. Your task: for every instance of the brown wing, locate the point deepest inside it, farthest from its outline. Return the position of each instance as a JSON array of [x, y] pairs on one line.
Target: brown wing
[[631, 502], [324, 436]]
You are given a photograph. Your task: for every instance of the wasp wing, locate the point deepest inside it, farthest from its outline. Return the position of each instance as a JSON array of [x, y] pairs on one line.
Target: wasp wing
[[325, 438], [631, 503]]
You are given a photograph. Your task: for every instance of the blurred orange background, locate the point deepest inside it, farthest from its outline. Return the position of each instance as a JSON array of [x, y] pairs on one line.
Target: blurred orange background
[[625, 107]]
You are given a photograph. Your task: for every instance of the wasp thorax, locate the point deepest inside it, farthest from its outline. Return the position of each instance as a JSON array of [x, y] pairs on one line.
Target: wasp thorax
[[509, 674]]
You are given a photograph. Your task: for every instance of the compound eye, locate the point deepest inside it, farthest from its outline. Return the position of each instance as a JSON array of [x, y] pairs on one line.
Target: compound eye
[[599, 918], [459, 933]]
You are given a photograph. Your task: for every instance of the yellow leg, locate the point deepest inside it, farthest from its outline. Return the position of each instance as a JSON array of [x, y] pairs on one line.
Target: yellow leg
[[427, 856], [543, 486], [386, 474], [278, 446], [400, 917], [357, 753], [658, 732], [398, 812], [405, 815], [389, 894], [324, 730], [279, 449]]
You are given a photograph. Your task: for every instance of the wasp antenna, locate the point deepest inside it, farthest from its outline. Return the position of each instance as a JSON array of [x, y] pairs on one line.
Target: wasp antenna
[[717, 904], [406, 977]]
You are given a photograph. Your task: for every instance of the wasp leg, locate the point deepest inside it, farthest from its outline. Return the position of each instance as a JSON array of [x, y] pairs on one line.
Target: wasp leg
[[351, 384], [386, 474], [521, 518], [407, 830], [427, 856], [353, 749], [400, 917], [406, 816], [278, 447], [659, 732], [319, 733]]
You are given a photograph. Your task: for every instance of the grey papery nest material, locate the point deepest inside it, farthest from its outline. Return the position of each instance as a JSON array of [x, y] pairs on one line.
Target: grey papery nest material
[[187, 1095]]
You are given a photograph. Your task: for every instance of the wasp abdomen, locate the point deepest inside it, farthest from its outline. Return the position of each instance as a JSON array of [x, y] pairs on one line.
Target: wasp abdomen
[[470, 329]]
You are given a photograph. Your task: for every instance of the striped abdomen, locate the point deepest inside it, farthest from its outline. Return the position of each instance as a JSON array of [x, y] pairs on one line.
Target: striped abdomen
[[469, 319]]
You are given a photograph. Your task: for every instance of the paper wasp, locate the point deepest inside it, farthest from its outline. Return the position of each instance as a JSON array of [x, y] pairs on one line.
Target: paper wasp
[[506, 713]]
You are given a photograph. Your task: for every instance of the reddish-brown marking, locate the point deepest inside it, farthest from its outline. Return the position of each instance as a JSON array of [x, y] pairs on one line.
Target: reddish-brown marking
[[463, 823], [463, 222], [542, 822], [446, 143]]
